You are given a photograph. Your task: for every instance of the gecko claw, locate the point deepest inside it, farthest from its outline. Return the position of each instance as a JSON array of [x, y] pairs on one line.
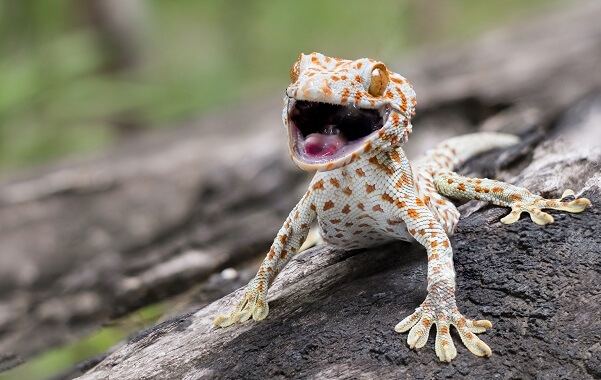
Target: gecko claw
[[419, 323], [540, 217], [252, 304]]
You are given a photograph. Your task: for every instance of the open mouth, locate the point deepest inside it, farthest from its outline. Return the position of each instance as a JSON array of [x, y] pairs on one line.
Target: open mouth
[[324, 132]]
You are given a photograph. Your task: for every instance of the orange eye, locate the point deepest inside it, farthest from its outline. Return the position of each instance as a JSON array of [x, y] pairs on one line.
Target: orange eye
[[295, 71], [379, 80]]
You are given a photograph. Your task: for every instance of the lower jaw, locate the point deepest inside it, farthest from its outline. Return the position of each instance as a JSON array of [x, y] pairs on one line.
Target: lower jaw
[[313, 161]]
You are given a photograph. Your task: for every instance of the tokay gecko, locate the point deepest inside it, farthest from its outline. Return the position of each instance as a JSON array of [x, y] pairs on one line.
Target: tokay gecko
[[348, 120]]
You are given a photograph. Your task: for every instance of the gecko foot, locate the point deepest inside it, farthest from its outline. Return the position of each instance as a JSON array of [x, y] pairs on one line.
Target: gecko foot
[[541, 217], [253, 304], [420, 322]]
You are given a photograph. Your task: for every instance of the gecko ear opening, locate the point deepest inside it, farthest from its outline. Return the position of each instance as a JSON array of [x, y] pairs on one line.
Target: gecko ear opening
[[379, 80]]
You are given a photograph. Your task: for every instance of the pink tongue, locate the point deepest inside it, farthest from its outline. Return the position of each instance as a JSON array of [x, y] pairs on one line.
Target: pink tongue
[[318, 145]]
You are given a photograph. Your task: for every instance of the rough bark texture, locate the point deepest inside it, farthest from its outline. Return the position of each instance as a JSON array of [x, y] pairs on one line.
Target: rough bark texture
[[82, 242]]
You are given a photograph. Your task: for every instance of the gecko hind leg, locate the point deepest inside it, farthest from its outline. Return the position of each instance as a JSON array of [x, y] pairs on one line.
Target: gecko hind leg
[[540, 217], [503, 194]]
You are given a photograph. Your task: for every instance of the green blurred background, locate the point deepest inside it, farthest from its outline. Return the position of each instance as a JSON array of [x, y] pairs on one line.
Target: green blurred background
[[77, 76]]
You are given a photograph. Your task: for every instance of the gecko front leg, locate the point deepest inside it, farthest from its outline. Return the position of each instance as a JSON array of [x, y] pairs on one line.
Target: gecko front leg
[[286, 244], [439, 308]]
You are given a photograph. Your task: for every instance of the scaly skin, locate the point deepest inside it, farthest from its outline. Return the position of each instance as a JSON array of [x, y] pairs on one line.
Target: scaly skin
[[371, 195]]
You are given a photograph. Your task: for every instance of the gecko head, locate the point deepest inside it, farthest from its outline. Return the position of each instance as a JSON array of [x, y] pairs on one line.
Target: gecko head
[[335, 110]]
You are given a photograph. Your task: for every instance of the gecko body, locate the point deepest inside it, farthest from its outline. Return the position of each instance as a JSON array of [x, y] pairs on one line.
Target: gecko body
[[348, 120]]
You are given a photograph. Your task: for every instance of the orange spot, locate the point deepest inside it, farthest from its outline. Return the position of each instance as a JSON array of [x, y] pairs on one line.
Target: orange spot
[[393, 222], [399, 204], [271, 254], [335, 78], [360, 172], [515, 197], [335, 221], [346, 209], [345, 93], [387, 169], [269, 269], [318, 185], [343, 77], [412, 232], [389, 94], [434, 244], [328, 205], [413, 213], [312, 207], [361, 206], [426, 323], [334, 182], [358, 97], [283, 254], [369, 188], [330, 165], [359, 64], [450, 181], [348, 224], [444, 330], [461, 187], [377, 208], [419, 202], [296, 215], [445, 244], [347, 191], [395, 156], [396, 80], [478, 181], [387, 198], [303, 226], [283, 238], [478, 189], [367, 147]]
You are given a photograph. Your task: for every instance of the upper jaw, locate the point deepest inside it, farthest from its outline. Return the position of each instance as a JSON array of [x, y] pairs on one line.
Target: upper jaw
[[324, 136]]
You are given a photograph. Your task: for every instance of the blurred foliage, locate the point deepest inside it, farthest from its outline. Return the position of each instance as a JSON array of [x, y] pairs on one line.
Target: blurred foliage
[[59, 95], [54, 361]]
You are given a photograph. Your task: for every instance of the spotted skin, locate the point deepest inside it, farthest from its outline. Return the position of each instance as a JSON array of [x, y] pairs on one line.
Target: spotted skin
[[373, 195]]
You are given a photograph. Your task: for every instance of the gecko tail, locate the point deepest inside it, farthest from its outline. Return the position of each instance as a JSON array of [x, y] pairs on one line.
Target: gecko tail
[[454, 151]]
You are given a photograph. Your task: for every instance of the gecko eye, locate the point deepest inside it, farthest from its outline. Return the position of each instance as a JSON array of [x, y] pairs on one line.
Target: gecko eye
[[295, 71], [378, 80]]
